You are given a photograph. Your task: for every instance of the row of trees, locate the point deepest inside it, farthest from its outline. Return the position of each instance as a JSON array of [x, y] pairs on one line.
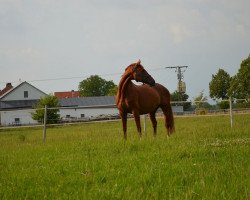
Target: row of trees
[[222, 86]]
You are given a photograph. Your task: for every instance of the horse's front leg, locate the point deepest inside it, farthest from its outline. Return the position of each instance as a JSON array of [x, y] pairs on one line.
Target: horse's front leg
[[124, 123], [137, 121]]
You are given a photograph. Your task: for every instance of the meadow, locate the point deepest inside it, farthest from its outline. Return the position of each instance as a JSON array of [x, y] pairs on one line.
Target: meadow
[[204, 159]]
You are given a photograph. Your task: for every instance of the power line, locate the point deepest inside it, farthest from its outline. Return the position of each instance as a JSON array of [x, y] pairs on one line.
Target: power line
[[73, 77], [61, 78]]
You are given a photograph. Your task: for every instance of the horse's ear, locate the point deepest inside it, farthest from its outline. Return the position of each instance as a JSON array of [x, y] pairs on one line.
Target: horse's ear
[[137, 63]]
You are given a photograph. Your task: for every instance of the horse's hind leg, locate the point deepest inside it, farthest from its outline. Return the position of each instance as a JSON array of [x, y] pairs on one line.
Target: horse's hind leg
[[137, 121], [154, 122]]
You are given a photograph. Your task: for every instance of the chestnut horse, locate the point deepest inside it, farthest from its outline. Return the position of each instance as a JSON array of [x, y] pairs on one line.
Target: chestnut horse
[[143, 99]]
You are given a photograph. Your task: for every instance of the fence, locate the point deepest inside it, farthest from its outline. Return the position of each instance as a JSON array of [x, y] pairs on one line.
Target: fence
[[21, 117]]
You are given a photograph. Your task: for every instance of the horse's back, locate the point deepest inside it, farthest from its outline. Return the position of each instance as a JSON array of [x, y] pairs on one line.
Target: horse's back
[[156, 95], [163, 93]]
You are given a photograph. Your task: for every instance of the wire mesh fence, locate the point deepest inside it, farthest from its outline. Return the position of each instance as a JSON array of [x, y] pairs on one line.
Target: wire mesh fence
[[83, 114]]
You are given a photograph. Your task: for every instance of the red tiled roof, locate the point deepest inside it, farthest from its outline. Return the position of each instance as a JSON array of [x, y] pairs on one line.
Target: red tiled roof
[[70, 94], [6, 89]]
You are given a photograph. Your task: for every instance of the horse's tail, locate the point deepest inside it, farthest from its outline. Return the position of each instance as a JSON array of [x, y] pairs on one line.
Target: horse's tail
[[169, 119], [166, 107]]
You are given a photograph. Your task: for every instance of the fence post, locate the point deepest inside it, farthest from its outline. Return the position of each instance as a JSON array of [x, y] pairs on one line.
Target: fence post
[[44, 123], [145, 127], [231, 111]]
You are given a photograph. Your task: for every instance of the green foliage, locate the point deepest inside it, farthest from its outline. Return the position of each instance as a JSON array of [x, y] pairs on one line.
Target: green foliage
[[52, 114], [219, 85], [204, 159], [222, 86], [240, 84], [242, 104], [95, 86], [200, 101], [223, 104], [113, 91], [176, 96]]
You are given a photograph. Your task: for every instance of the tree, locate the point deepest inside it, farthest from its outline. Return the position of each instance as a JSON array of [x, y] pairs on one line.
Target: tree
[[113, 91], [175, 97], [95, 86], [52, 114], [219, 85], [240, 84]]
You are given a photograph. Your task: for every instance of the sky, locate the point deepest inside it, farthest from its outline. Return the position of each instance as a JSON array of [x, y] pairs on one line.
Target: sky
[[55, 44]]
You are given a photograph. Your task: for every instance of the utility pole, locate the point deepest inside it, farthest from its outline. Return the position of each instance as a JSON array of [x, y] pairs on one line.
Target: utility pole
[[181, 88]]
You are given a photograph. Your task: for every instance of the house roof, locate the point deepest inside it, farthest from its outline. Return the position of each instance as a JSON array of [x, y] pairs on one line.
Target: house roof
[[69, 94], [88, 101], [17, 104], [6, 89], [14, 88]]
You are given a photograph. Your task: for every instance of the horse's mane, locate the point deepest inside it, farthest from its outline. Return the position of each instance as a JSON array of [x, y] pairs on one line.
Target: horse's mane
[[126, 77]]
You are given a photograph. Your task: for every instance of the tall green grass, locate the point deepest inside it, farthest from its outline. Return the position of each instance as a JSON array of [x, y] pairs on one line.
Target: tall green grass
[[204, 159]]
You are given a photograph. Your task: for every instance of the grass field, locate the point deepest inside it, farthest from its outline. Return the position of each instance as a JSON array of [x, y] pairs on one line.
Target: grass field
[[204, 159]]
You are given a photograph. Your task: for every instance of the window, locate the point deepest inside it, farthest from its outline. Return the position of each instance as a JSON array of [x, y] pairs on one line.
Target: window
[[26, 94], [67, 116], [16, 122], [82, 115]]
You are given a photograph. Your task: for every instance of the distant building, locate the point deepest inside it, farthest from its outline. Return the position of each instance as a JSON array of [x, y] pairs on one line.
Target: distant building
[[15, 101], [16, 105], [69, 94], [87, 107]]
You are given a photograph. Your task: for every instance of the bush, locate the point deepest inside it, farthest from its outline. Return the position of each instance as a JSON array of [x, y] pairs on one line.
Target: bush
[[223, 104], [242, 105], [52, 114]]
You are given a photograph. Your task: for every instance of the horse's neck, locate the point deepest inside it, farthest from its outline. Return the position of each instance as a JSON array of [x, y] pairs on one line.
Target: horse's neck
[[125, 81]]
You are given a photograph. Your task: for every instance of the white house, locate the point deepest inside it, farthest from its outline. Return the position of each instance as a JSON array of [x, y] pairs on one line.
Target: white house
[[15, 103]]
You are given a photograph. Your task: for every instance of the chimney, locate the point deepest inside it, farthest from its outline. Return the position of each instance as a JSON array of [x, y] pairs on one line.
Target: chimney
[[8, 85], [6, 89]]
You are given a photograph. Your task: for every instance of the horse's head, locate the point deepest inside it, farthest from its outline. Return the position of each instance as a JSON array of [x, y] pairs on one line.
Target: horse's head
[[139, 74]]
